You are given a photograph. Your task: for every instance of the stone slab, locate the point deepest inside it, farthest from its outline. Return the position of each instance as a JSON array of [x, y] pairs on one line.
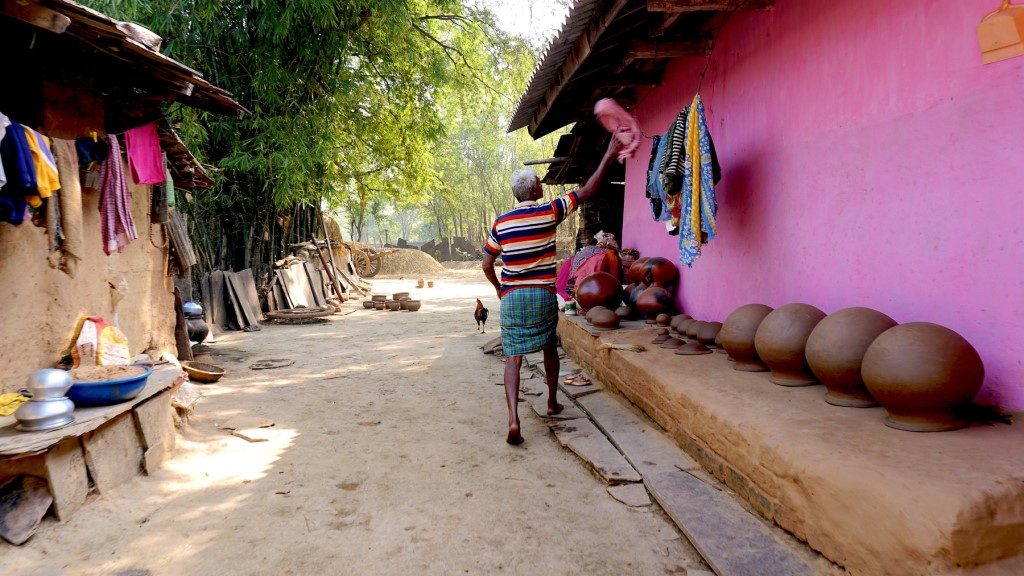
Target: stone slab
[[113, 453], [645, 445], [67, 476], [730, 540], [633, 495], [582, 437], [155, 424], [24, 501], [579, 391], [540, 406], [876, 500]]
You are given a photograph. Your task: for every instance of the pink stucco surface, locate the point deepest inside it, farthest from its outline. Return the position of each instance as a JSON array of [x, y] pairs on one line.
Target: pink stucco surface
[[869, 159]]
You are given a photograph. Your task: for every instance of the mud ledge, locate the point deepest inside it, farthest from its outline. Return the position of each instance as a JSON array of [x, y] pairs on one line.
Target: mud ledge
[[872, 499]]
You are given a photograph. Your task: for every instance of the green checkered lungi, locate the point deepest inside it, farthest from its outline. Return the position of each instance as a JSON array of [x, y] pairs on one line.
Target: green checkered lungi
[[529, 317]]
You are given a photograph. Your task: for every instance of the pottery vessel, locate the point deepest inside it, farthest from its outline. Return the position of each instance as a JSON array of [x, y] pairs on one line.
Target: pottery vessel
[[922, 373], [412, 305], [674, 324], [379, 305], [606, 319], [661, 272], [662, 335], [718, 344], [367, 304], [393, 305], [430, 283], [693, 348], [708, 332], [835, 350], [738, 333], [379, 297], [663, 319], [673, 343], [693, 328], [623, 311], [399, 296], [598, 289], [781, 342], [653, 301], [684, 325], [635, 272], [590, 313]]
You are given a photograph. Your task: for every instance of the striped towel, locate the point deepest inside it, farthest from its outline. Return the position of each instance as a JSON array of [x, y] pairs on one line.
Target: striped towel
[[116, 222]]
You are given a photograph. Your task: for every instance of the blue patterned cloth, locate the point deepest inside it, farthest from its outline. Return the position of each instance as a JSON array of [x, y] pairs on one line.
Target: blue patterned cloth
[[691, 236], [655, 186], [529, 317]]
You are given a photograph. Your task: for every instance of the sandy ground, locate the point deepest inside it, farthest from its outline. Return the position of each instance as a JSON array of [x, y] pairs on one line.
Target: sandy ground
[[387, 456]]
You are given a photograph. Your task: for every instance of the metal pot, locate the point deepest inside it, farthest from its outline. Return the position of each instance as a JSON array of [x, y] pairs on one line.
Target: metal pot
[[48, 408]]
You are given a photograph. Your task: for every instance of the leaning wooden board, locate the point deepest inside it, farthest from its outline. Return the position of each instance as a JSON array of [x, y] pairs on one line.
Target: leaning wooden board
[[14, 442]]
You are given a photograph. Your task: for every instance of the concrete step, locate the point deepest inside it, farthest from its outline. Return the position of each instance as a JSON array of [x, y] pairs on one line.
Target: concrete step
[[593, 447]]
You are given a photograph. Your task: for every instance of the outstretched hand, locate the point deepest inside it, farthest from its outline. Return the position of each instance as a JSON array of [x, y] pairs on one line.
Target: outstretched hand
[[614, 146]]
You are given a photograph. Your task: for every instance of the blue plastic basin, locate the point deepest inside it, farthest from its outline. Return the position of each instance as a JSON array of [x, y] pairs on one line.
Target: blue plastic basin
[[108, 392]]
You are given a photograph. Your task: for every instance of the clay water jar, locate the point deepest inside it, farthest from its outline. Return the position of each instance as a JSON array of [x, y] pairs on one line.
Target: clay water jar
[[683, 326], [662, 335], [674, 324], [835, 351], [605, 319], [708, 332], [367, 304], [781, 342], [635, 272], [693, 328], [661, 272], [379, 297], [653, 301], [598, 289], [590, 313], [921, 373], [738, 333], [673, 343], [623, 311], [399, 296], [412, 305], [393, 305], [663, 320], [379, 304], [719, 349]]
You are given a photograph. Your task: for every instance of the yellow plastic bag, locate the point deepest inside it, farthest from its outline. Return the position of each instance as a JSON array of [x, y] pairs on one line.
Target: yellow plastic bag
[[97, 342]]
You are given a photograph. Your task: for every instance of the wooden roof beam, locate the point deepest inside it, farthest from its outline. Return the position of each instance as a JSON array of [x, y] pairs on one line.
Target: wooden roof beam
[[580, 50], [647, 50], [681, 6], [35, 15], [670, 20]]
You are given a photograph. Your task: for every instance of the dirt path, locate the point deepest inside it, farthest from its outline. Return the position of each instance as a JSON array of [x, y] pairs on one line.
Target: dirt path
[[387, 456]]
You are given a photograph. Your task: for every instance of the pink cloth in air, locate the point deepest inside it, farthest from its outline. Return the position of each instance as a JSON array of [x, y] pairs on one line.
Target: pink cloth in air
[[621, 124], [144, 157]]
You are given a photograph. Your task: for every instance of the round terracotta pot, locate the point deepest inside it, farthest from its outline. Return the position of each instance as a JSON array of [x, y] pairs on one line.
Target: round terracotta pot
[[684, 325], [367, 304], [635, 272], [835, 350], [781, 342], [632, 295], [673, 343], [708, 332], [737, 336], [606, 319], [379, 305], [718, 343], [921, 373], [598, 289], [379, 297], [653, 301], [623, 311], [413, 305], [663, 319], [399, 296], [661, 335], [693, 328], [590, 313], [662, 272], [393, 305], [674, 324]]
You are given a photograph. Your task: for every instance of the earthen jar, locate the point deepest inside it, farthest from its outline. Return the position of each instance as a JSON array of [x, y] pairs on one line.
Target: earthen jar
[[781, 342], [662, 335], [693, 348], [835, 350], [738, 333], [379, 297], [693, 328], [661, 272], [708, 332], [606, 319], [399, 296], [379, 304], [653, 301], [718, 343], [663, 319], [673, 343], [590, 313], [623, 311], [633, 294], [674, 324], [921, 373], [635, 272], [393, 305], [683, 326], [598, 289]]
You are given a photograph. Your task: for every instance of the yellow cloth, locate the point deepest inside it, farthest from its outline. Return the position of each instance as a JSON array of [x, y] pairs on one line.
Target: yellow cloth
[[692, 155], [9, 403], [47, 179]]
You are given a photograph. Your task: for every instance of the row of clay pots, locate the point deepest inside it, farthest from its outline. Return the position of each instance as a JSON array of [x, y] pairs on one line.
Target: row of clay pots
[[689, 337], [380, 302], [921, 373]]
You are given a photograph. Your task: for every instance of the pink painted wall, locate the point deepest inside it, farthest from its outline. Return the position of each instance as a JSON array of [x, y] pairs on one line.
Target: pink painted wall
[[869, 159]]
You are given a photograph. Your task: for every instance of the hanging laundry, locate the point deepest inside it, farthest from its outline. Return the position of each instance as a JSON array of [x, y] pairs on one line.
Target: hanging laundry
[[21, 174], [47, 179], [655, 187], [54, 231], [621, 124], [169, 184], [116, 222], [4, 123], [697, 221], [158, 205], [144, 155], [65, 153]]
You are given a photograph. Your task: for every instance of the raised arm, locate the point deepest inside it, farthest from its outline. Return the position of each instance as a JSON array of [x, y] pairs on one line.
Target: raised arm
[[590, 188]]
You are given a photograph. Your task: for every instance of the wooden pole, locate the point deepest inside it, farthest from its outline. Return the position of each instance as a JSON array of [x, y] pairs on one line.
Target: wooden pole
[[329, 268]]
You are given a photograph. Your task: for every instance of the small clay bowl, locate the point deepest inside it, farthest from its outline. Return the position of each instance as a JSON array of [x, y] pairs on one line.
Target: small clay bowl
[[379, 297], [394, 305], [367, 304], [378, 305], [202, 372], [412, 305], [399, 296]]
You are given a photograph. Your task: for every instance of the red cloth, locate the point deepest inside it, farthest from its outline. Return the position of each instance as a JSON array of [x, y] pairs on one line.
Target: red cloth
[[621, 124], [144, 156]]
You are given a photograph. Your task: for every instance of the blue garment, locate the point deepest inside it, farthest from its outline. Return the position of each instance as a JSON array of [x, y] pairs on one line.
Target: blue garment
[[654, 181], [529, 317], [21, 174]]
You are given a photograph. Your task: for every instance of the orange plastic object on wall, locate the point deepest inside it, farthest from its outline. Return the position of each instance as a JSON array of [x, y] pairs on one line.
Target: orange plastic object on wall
[[1001, 33]]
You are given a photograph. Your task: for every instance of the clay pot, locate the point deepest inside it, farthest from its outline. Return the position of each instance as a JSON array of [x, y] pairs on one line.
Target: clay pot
[[781, 342], [708, 332], [683, 326], [394, 305], [598, 289], [661, 272], [379, 297], [430, 283], [635, 272], [674, 324], [590, 313], [378, 304], [367, 304], [399, 296], [836, 348], [662, 335], [693, 328], [673, 343], [718, 344], [412, 305], [737, 336], [623, 311], [653, 301], [921, 373], [606, 319], [663, 319]]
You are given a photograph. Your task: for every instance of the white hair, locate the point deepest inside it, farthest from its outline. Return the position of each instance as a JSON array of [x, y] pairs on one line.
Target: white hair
[[523, 181]]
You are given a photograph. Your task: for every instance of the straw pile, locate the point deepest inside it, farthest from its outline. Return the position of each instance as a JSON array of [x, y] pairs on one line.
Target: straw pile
[[410, 262]]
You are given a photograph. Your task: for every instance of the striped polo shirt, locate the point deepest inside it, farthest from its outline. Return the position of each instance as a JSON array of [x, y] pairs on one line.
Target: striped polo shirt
[[525, 240]]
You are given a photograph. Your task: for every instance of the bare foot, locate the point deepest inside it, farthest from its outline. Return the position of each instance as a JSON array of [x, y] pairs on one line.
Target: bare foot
[[514, 437], [555, 408]]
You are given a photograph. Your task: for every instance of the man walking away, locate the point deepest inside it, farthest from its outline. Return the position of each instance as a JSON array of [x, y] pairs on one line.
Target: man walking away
[[525, 239]]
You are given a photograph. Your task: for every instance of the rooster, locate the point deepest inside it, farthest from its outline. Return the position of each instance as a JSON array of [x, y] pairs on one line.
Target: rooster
[[480, 315]]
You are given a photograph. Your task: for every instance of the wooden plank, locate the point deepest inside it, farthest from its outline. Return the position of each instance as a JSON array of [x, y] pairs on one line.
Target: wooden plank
[[218, 299], [14, 442], [679, 6], [316, 283], [583, 438], [296, 283], [36, 15], [649, 50], [246, 316], [250, 294], [731, 540], [235, 317]]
